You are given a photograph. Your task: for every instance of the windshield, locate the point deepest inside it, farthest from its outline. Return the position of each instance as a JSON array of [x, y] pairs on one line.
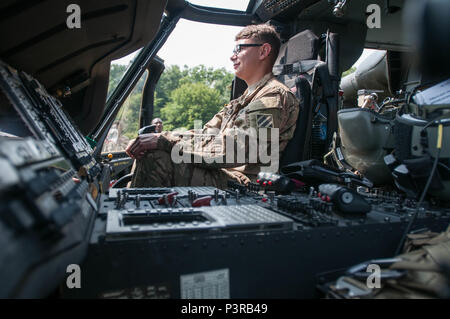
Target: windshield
[[240, 5]]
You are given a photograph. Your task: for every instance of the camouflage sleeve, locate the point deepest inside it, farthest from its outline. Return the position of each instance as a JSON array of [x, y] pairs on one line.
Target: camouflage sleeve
[[260, 132], [216, 121], [167, 140]]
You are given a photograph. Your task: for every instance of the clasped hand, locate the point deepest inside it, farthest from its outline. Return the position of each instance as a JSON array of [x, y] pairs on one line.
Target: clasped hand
[[142, 144]]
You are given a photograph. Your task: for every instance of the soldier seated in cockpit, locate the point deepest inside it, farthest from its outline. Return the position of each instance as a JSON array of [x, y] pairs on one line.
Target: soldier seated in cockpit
[[266, 104]]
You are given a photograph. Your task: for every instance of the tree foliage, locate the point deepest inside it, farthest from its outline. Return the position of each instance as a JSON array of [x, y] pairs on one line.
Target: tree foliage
[[115, 75], [180, 99], [182, 96], [190, 102], [128, 116]]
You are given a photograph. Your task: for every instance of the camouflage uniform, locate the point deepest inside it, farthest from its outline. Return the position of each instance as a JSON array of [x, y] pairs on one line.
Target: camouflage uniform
[[426, 263], [266, 105]]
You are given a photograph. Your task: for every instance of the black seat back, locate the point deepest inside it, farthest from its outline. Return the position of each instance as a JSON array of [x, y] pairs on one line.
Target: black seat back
[[316, 85], [238, 87], [298, 148], [301, 47]]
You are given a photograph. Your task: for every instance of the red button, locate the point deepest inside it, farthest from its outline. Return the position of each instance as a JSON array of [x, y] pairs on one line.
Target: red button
[[170, 197], [202, 201], [162, 200]]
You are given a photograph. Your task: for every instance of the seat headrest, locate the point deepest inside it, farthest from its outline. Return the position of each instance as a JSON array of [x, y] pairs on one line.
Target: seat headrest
[[302, 46]]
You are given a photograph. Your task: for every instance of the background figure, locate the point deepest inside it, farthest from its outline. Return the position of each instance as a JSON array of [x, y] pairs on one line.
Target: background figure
[[111, 140], [159, 124]]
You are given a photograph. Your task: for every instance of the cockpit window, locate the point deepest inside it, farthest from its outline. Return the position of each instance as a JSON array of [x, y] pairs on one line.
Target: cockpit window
[[240, 5], [125, 127], [119, 68]]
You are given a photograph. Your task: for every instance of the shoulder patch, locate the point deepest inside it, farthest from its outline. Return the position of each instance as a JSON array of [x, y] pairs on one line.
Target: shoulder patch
[[264, 120]]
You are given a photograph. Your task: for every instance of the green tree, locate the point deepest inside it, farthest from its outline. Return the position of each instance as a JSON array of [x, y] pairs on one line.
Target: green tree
[[173, 77], [220, 79], [176, 107], [182, 95], [189, 102], [115, 75], [167, 83], [130, 117], [129, 113]]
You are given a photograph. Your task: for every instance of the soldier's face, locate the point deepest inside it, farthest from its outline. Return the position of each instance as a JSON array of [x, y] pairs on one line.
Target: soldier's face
[[159, 125], [246, 61]]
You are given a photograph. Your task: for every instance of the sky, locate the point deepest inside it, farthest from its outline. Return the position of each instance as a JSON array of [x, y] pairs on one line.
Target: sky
[[194, 43]]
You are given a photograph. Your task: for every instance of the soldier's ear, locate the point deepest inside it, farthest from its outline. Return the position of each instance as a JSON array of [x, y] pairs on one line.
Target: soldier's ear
[[266, 48]]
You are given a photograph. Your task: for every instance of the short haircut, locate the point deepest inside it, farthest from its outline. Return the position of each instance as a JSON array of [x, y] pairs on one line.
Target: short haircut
[[264, 33]]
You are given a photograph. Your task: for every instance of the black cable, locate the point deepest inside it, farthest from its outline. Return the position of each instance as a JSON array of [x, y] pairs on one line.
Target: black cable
[[440, 117]]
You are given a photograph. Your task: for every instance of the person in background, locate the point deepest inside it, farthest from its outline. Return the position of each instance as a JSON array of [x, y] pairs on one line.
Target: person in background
[[159, 124]]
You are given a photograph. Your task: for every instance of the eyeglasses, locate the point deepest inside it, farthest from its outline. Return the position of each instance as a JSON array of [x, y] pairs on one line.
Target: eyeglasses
[[239, 47]]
